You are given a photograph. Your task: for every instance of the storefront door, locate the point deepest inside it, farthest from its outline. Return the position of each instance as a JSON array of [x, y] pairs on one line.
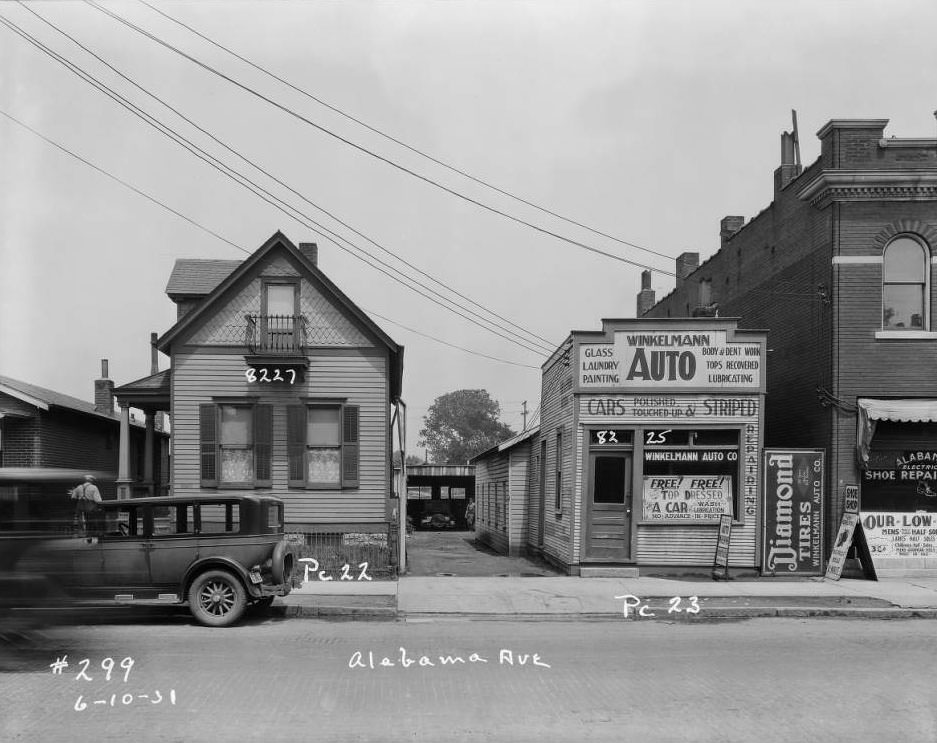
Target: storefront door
[[610, 499]]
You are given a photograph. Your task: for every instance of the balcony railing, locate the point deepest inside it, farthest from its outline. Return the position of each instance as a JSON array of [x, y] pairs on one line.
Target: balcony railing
[[279, 335]]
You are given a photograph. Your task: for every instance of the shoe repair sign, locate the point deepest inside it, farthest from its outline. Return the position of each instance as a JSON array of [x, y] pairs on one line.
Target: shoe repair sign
[[792, 543]]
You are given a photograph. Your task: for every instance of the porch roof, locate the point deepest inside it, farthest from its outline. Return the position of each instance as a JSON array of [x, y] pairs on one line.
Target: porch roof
[[149, 392]]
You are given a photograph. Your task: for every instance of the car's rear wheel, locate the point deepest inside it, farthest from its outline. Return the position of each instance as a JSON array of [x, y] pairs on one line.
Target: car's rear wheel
[[217, 598]]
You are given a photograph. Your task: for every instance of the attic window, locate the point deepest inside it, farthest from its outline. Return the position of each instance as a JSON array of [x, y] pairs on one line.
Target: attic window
[[279, 323]]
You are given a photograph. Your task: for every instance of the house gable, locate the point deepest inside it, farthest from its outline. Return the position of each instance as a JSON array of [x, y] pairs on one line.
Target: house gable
[[334, 320], [327, 324]]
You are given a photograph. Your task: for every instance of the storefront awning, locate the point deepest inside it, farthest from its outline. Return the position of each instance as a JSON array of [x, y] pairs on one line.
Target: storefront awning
[[905, 411]]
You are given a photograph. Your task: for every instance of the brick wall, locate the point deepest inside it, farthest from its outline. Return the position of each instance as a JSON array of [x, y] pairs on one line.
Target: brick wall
[[20, 442], [777, 274]]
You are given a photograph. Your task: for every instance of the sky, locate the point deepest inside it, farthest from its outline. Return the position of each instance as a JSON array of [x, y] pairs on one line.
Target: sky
[[646, 121]]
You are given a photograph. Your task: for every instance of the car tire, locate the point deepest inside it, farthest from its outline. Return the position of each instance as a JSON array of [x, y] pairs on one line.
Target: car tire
[[217, 598]]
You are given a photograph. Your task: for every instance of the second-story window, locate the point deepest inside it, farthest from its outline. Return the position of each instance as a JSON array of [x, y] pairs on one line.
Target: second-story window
[[905, 273]]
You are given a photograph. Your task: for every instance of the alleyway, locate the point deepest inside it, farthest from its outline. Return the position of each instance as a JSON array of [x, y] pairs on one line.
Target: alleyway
[[457, 553]]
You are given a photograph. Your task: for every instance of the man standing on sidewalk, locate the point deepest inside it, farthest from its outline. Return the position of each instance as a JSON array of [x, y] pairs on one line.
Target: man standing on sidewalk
[[86, 497]]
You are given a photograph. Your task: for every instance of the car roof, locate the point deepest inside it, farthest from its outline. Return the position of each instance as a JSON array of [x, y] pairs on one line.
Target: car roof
[[172, 500]]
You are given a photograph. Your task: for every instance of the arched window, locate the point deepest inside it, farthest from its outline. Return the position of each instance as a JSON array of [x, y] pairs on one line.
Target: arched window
[[905, 275]]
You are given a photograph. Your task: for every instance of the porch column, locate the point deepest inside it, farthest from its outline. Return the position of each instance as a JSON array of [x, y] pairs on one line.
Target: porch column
[[148, 454], [123, 456]]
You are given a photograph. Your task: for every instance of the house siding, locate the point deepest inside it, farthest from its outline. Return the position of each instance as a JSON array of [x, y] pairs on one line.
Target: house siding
[[556, 416], [358, 377], [519, 465], [501, 498], [491, 489]]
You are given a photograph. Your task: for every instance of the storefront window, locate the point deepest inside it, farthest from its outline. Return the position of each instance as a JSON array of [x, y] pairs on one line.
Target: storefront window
[[690, 475], [893, 481]]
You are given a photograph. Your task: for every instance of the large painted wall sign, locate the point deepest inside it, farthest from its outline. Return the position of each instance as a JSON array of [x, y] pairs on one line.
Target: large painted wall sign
[[666, 359]]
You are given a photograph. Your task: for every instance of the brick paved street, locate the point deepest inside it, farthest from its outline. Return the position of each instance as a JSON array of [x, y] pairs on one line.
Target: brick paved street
[[291, 680]]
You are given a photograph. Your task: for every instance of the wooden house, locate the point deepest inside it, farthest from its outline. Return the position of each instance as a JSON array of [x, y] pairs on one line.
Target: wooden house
[[278, 384], [502, 483]]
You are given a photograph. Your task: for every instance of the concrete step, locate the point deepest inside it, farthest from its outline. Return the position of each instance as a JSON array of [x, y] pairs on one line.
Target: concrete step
[[608, 571]]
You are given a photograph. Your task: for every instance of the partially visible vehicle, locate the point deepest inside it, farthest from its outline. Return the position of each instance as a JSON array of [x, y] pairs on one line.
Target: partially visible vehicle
[[437, 515], [218, 554]]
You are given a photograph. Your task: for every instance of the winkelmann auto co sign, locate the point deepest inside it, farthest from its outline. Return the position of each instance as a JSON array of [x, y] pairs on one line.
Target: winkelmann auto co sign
[[793, 508]]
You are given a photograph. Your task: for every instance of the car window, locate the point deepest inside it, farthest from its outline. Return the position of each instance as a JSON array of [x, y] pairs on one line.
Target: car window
[[126, 521], [219, 518], [274, 517], [169, 521]]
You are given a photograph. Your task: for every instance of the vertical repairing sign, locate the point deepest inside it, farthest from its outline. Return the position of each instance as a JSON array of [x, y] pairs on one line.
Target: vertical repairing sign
[[793, 492]]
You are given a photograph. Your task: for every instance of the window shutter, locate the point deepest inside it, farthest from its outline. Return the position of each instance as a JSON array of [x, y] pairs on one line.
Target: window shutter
[[350, 446], [263, 438], [208, 444], [296, 444]]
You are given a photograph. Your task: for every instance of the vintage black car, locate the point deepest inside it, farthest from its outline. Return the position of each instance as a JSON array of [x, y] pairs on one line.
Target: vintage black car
[[219, 554]]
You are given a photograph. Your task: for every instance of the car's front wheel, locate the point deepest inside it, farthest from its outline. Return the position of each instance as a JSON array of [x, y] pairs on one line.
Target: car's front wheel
[[217, 598]]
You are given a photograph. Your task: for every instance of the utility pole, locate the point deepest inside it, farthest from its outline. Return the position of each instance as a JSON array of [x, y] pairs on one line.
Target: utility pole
[[525, 415]]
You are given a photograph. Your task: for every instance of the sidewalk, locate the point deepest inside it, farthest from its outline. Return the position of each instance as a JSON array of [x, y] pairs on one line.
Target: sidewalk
[[557, 598]]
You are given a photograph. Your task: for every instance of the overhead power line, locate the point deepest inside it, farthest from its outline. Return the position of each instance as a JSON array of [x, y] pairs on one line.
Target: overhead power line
[[395, 140], [214, 234], [256, 189], [295, 192], [122, 182], [285, 109], [447, 343]]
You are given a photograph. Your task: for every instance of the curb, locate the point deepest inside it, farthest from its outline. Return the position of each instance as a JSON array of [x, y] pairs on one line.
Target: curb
[[713, 614], [294, 611]]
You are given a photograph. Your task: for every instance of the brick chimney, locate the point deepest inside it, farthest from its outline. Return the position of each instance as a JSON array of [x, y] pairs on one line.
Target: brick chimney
[[728, 226], [687, 263], [104, 392], [154, 354], [311, 251], [646, 298], [790, 168]]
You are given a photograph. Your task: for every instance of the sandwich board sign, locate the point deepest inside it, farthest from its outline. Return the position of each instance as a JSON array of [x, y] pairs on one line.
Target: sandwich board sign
[[841, 545], [721, 561]]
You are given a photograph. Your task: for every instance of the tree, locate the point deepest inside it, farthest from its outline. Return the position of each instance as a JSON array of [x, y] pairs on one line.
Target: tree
[[460, 425], [411, 458]]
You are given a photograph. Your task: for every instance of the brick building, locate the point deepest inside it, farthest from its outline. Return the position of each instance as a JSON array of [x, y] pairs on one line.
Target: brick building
[[48, 439], [839, 269]]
